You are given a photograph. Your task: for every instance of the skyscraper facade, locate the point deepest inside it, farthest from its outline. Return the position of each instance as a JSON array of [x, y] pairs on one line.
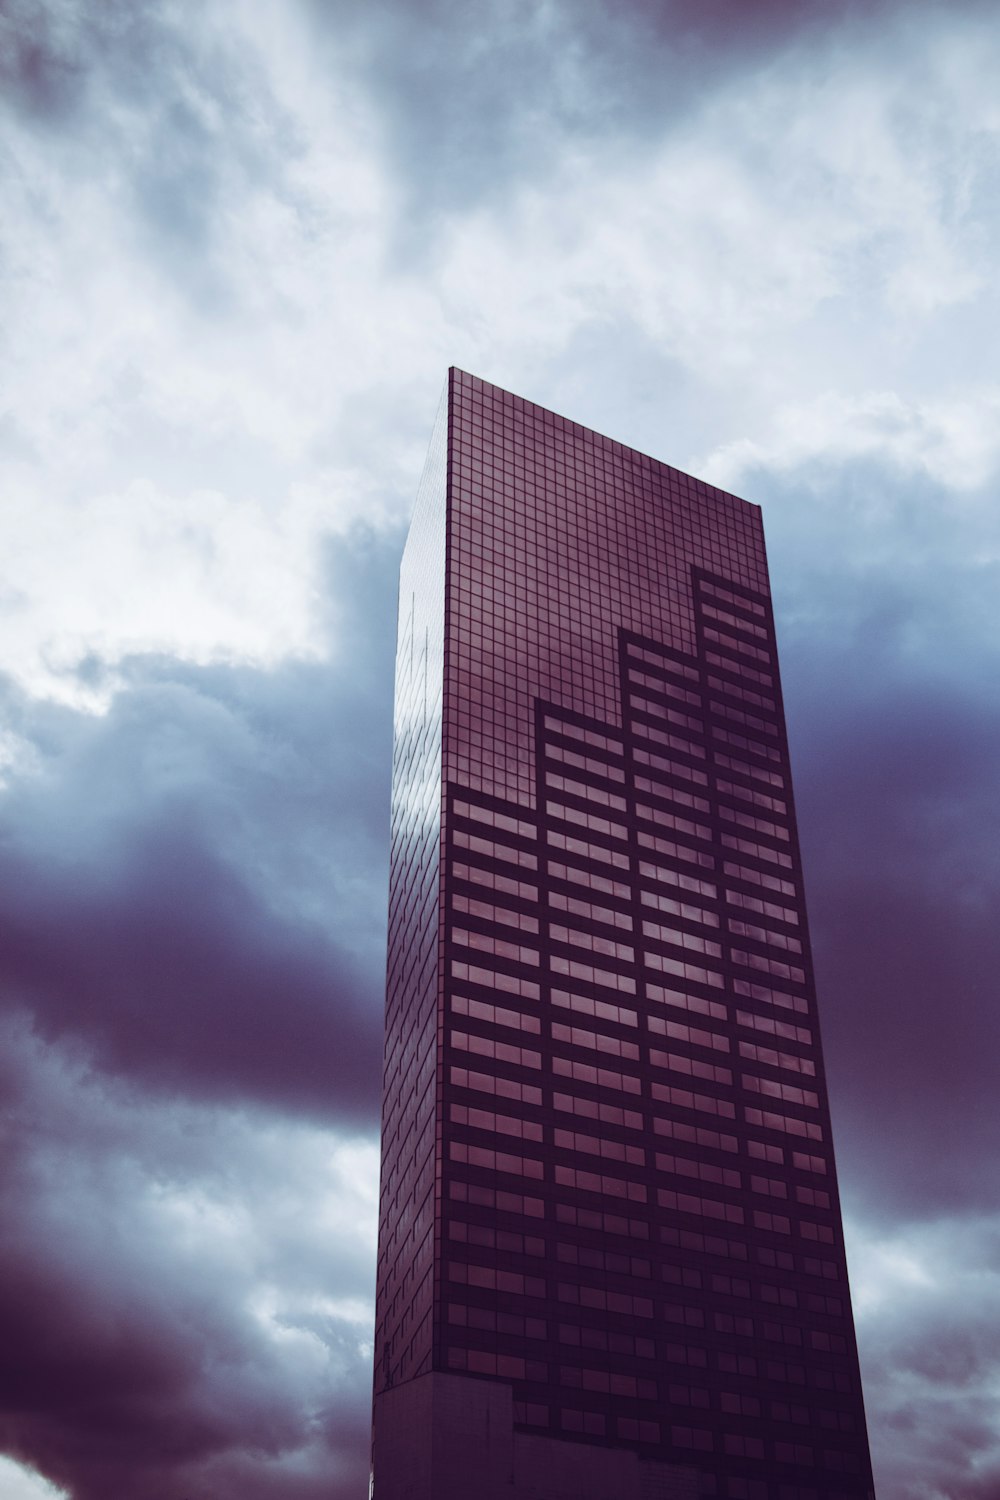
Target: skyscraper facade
[[611, 1264]]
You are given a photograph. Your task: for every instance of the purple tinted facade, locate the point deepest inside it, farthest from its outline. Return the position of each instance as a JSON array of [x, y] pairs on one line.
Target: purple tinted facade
[[608, 1189]]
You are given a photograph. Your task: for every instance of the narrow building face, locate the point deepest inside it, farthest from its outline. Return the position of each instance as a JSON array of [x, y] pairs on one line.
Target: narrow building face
[[611, 1264]]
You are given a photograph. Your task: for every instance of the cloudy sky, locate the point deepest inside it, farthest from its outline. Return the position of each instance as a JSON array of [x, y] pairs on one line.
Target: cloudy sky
[[240, 243]]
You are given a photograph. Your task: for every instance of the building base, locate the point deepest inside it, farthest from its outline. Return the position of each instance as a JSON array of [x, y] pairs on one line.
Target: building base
[[451, 1437]]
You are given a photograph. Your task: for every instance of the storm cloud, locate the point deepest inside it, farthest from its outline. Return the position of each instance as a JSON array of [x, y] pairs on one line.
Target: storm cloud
[[192, 957], [240, 246]]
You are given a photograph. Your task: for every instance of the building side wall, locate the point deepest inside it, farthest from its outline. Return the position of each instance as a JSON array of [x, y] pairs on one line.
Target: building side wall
[[405, 1278]]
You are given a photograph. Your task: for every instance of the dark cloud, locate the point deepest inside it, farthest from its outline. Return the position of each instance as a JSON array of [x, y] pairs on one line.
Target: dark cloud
[[885, 608], [194, 883], [167, 959], [906, 941], [895, 718], [133, 1362], [193, 895]]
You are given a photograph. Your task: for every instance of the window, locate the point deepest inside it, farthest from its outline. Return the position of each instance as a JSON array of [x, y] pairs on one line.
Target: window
[[489, 1083], [692, 1203], [495, 979], [699, 1134], [485, 942], [790, 1061], [588, 1073], [495, 880], [678, 1063], [490, 912], [695, 1035], [482, 1010], [600, 1182], [705, 1171], [592, 912], [486, 1119], [785, 1091], [602, 1009], [495, 819], [597, 1109]]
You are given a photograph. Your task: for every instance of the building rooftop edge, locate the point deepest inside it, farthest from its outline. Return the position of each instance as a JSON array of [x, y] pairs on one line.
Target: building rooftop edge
[[569, 422]]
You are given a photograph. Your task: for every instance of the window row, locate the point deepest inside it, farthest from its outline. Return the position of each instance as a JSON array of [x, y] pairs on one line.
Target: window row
[[495, 819], [589, 763]]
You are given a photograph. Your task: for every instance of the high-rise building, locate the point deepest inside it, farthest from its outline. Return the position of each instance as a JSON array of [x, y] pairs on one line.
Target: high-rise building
[[611, 1264]]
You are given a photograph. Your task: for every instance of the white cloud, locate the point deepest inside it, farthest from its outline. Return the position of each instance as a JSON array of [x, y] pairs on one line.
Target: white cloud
[[201, 575], [952, 439], [195, 401], [19, 1483], [169, 472], [883, 1265], [927, 1304]]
